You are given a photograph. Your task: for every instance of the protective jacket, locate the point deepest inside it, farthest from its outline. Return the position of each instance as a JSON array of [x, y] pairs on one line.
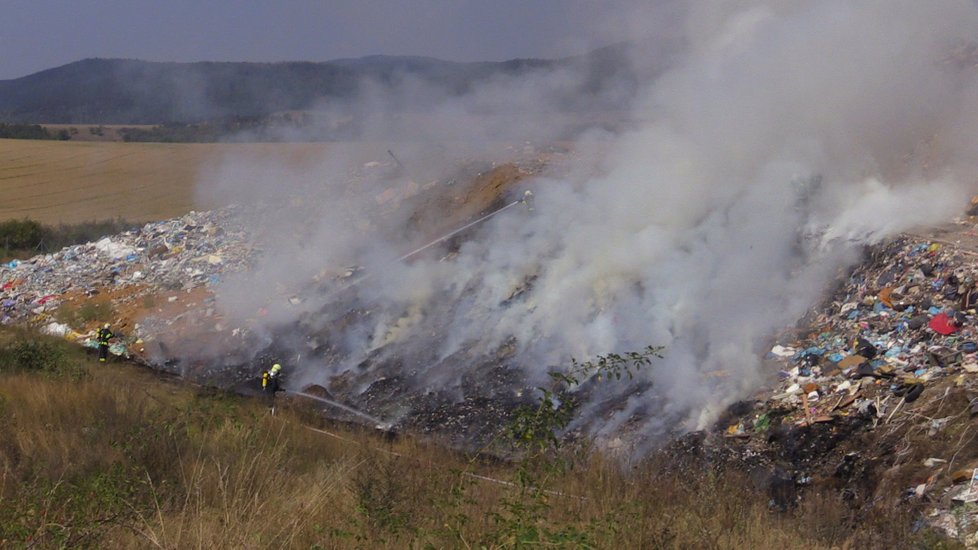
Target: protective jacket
[[103, 335], [270, 378]]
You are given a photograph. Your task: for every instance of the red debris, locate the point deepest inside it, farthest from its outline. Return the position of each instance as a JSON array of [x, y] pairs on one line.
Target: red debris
[[943, 324]]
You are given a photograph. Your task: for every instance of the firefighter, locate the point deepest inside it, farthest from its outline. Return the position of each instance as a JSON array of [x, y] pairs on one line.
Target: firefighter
[[270, 379], [103, 336]]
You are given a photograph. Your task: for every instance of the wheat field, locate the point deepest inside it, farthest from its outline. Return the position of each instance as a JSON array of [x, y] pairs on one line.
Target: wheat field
[[71, 182]]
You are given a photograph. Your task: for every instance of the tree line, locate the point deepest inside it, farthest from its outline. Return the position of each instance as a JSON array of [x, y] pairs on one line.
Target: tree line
[[31, 131]]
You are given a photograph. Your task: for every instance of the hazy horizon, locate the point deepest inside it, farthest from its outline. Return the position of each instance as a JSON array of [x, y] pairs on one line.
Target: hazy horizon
[[49, 33]]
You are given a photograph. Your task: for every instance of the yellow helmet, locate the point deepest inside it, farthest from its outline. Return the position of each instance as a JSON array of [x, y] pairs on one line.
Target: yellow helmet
[[275, 368], [106, 325]]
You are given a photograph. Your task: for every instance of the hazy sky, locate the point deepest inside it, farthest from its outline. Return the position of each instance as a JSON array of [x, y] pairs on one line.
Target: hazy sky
[[40, 34]]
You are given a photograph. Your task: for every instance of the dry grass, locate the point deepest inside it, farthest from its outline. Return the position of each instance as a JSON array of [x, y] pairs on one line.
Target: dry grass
[[122, 459]]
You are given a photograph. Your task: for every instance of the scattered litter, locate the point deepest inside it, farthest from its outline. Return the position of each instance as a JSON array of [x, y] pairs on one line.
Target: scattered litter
[[186, 252], [56, 329]]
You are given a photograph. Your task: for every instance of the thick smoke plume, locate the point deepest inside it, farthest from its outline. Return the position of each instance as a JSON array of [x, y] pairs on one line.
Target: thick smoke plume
[[785, 137]]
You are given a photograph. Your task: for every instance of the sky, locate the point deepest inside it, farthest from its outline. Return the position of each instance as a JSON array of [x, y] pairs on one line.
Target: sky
[[41, 34]]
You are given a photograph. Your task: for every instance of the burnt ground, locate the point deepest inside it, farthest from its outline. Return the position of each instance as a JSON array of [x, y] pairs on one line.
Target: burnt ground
[[193, 340]]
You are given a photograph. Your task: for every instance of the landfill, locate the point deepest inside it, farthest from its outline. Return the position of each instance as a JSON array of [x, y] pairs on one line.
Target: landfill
[[158, 282], [874, 391], [190, 252], [883, 378]]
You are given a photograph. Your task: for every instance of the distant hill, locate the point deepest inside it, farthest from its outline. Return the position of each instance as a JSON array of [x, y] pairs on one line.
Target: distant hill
[[125, 91]]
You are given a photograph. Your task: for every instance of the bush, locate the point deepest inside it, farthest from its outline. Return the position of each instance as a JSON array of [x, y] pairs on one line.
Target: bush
[[21, 234], [25, 131], [38, 355]]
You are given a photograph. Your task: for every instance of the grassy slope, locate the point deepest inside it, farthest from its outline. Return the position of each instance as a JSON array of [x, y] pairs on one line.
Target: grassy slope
[[113, 456]]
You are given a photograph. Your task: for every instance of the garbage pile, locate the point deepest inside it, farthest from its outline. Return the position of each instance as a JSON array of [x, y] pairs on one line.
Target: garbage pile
[[902, 321], [183, 253], [882, 356]]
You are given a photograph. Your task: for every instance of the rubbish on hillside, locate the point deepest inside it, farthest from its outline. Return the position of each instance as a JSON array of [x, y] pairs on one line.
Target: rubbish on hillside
[[937, 425], [762, 423], [960, 476], [159, 255], [899, 324], [736, 430], [851, 361], [967, 495], [56, 329], [910, 392], [114, 250]]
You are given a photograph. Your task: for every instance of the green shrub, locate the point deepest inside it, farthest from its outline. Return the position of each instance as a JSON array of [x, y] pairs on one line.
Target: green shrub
[[21, 234], [24, 131], [39, 355]]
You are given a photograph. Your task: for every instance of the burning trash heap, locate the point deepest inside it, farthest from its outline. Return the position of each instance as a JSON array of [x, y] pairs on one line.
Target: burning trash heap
[[883, 378]]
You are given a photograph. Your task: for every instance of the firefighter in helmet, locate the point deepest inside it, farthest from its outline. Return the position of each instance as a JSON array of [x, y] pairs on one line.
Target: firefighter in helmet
[[103, 336]]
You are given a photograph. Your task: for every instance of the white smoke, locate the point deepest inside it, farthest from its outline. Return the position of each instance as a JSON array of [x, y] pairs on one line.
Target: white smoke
[[849, 121]]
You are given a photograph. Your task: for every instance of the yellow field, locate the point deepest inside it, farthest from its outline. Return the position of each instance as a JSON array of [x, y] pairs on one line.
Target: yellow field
[[69, 182]]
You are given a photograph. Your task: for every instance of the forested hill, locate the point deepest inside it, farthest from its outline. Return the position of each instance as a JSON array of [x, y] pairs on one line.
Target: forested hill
[[124, 91]]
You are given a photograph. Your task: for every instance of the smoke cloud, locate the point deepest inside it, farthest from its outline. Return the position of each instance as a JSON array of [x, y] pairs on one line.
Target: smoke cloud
[[784, 137]]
